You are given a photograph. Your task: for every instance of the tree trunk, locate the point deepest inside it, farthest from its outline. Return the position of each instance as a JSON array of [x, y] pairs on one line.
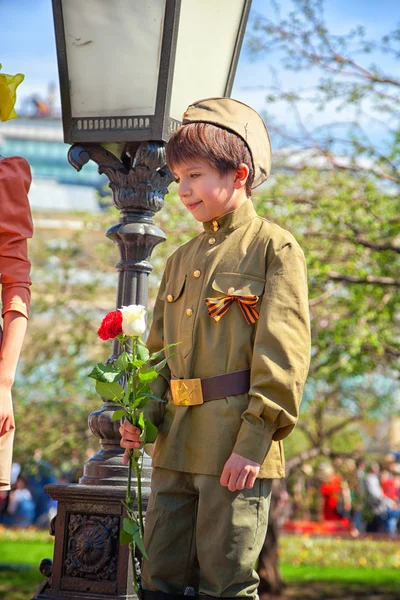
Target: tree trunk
[[271, 581]]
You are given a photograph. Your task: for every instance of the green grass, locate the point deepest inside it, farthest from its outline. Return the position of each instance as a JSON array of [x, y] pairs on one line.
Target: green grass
[[18, 585], [27, 553], [20, 556], [371, 565], [382, 578], [340, 553]]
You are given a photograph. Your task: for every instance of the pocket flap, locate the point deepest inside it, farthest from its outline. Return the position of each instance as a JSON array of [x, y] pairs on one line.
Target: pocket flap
[[174, 289], [235, 284]]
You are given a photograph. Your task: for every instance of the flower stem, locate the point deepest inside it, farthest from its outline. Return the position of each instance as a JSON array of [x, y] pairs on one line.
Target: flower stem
[[139, 497], [136, 587], [129, 488]]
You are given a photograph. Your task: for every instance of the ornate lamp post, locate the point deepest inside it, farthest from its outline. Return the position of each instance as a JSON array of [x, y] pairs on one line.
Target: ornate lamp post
[[127, 71]]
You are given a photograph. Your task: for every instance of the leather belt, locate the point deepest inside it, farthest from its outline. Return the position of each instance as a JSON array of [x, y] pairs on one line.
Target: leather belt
[[192, 392]]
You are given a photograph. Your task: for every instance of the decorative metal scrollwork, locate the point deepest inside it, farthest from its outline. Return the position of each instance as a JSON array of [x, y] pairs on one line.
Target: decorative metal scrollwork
[[92, 547]]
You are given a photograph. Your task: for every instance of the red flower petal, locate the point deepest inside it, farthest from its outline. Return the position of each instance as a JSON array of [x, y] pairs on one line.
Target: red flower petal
[[111, 325]]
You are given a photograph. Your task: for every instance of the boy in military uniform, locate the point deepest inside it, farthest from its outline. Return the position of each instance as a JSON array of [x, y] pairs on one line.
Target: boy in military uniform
[[235, 296]]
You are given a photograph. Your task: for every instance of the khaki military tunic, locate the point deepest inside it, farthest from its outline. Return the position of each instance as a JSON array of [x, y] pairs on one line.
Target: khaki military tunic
[[237, 254]]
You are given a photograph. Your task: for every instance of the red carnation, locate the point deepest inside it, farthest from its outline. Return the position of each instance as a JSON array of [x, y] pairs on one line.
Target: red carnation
[[111, 325]]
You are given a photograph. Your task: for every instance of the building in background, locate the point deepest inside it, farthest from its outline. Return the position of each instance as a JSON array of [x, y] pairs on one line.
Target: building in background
[[37, 136]]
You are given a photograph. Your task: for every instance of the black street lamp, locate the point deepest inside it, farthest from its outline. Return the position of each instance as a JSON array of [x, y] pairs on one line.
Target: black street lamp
[[128, 69]]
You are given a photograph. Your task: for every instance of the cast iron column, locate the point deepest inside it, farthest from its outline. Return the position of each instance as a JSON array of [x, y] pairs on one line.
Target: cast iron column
[[88, 559]]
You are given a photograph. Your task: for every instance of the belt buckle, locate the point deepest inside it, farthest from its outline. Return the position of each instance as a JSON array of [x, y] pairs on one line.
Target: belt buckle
[[186, 392]]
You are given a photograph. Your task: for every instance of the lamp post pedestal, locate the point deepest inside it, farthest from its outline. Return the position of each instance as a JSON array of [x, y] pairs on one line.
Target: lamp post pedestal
[[89, 561]]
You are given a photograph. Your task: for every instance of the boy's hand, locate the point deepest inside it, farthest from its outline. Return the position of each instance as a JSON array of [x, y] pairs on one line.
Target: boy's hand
[[130, 439], [239, 473]]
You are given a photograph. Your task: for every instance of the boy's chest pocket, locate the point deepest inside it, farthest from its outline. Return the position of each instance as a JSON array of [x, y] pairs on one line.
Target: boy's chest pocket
[[235, 288], [236, 284]]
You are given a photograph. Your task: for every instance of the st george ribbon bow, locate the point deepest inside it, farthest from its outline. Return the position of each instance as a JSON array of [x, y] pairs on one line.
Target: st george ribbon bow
[[218, 307]]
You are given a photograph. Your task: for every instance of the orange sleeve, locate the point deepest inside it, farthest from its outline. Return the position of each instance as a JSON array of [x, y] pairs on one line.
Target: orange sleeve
[[15, 227]]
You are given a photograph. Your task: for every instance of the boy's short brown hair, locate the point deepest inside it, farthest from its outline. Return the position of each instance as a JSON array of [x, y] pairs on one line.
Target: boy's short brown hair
[[221, 148]]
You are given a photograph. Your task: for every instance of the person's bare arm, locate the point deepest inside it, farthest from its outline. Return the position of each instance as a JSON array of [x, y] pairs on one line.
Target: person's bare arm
[[14, 325]]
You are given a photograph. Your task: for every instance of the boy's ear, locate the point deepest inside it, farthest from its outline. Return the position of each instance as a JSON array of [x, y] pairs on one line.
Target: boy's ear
[[242, 173]]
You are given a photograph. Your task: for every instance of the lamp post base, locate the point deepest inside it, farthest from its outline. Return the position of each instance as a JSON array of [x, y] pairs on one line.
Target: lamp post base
[[89, 561]]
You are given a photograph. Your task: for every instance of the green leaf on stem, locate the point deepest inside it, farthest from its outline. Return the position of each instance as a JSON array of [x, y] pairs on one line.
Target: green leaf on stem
[[151, 432], [160, 365], [142, 388], [110, 391], [153, 397], [155, 355], [118, 414], [125, 537], [128, 397], [139, 543], [105, 373], [147, 374], [142, 353], [141, 424], [124, 362], [141, 402], [132, 528], [139, 363]]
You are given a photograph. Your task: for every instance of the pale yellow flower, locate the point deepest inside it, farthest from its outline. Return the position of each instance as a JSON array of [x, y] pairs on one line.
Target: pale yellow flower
[[8, 94], [133, 319]]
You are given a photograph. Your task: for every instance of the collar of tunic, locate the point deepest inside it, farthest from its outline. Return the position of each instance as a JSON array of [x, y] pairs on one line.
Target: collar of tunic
[[232, 220]]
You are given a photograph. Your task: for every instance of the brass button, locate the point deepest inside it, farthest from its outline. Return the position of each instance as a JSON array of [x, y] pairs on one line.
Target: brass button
[[189, 312], [196, 273], [231, 290], [215, 225], [211, 241], [170, 298]]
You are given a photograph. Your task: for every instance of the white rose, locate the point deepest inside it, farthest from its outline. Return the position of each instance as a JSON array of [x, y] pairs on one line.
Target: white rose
[[133, 319]]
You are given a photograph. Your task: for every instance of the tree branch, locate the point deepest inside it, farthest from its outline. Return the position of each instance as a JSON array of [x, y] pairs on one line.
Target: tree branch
[[369, 279], [322, 297], [297, 461], [339, 426], [358, 239], [311, 436]]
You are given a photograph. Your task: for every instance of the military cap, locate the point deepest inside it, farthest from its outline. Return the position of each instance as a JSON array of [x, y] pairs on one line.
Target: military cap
[[241, 119]]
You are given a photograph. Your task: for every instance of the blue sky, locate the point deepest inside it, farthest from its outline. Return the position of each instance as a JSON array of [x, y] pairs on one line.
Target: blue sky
[[27, 44]]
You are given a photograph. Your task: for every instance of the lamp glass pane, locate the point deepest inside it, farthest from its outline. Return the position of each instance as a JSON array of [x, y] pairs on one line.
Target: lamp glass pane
[[113, 53], [207, 37]]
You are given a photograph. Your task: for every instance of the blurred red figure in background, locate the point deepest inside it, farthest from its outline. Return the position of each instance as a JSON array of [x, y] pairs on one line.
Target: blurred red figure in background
[[330, 491]]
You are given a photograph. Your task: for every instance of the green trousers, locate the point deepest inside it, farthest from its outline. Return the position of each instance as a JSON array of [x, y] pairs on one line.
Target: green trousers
[[199, 534]]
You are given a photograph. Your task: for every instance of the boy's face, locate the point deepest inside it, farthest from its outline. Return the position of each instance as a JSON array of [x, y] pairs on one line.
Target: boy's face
[[205, 192]]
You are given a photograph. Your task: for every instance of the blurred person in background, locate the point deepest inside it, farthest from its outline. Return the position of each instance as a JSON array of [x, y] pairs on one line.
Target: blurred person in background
[[396, 476], [381, 511], [358, 497], [21, 506], [390, 490], [41, 474], [330, 490]]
